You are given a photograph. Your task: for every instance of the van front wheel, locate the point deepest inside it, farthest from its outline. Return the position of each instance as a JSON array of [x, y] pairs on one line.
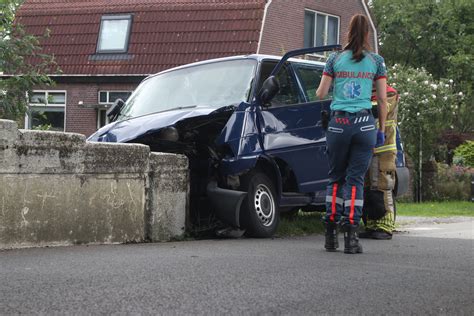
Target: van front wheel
[[260, 213]]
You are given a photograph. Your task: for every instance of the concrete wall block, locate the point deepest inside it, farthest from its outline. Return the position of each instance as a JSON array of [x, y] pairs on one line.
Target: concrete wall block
[[8, 131], [116, 158], [38, 210], [49, 152], [168, 196], [8, 135]]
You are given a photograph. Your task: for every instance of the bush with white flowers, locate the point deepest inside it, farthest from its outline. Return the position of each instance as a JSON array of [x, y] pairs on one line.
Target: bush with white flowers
[[427, 107]]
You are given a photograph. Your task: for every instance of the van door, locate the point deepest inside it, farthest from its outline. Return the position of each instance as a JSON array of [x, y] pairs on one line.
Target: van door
[[291, 127]]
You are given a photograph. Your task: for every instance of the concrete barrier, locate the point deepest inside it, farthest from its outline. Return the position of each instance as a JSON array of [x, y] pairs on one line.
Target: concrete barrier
[[56, 189], [169, 191]]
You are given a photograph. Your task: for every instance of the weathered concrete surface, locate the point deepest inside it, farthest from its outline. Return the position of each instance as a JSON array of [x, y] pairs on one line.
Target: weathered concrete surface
[[54, 152], [55, 188], [49, 209], [8, 136], [169, 187]]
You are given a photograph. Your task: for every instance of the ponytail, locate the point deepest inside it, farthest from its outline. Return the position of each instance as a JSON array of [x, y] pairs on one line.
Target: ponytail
[[357, 38]]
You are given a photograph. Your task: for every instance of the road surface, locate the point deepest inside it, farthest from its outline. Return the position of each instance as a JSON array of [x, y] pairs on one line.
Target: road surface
[[421, 271]]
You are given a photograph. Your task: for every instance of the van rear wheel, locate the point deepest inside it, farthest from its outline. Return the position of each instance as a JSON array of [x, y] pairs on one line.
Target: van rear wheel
[[260, 212]]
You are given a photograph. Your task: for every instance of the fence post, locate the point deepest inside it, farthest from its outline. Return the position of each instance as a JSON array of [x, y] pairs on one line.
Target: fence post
[[472, 187]]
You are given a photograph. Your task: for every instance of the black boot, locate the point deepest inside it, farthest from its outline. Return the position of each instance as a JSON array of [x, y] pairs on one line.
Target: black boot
[[351, 239], [366, 234], [331, 243]]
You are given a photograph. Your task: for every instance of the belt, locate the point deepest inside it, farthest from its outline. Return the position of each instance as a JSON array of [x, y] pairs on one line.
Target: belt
[[345, 113]]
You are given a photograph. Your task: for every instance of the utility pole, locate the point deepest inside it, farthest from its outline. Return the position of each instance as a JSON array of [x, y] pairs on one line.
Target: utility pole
[[420, 166]]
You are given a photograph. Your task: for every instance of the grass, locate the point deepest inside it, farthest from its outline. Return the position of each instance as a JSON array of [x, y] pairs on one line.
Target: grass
[[301, 225], [305, 223], [311, 223], [436, 209]]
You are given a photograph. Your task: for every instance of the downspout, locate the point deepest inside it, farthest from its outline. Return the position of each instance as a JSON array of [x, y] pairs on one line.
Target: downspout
[[366, 9], [267, 5]]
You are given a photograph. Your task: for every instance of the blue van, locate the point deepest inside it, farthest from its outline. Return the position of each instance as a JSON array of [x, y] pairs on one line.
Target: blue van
[[251, 129]]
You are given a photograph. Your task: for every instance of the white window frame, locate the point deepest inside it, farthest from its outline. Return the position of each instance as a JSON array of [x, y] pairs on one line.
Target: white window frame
[[46, 105], [325, 27], [125, 17], [108, 95], [107, 103]]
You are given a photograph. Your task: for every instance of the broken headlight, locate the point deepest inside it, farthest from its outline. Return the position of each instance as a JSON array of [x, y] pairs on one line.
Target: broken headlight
[[169, 133]]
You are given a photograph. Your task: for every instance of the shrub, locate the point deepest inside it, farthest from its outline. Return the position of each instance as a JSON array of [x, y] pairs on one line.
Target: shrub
[[449, 183], [464, 154]]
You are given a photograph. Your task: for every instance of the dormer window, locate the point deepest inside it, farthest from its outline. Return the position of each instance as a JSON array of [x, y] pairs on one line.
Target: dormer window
[[320, 29], [114, 33]]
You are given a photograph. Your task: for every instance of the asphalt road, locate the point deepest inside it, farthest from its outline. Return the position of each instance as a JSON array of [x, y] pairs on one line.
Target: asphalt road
[[418, 272]]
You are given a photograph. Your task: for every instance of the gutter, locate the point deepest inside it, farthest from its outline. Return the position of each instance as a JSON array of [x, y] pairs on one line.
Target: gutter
[[367, 12], [267, 5]]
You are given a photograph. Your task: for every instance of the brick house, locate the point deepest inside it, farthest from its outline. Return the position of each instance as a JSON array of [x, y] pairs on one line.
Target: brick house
[[105, 48]]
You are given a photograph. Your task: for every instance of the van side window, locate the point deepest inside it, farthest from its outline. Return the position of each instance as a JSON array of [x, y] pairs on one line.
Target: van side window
[[288, 93], [309, 77]]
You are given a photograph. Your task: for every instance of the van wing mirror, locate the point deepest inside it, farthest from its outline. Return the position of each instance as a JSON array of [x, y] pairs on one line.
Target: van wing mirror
[[270, 88], [115, 109]]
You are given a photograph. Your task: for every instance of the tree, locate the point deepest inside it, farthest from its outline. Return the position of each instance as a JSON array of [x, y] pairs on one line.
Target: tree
[[20, 58], [429, 33], [437, 35]]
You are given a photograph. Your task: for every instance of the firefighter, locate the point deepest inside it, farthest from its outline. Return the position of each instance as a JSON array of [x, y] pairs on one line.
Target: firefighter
[[379, 205], [351, 134]]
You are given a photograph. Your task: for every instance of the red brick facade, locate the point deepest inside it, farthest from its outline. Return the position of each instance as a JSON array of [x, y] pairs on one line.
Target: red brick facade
[[284, 23], [82, 118]]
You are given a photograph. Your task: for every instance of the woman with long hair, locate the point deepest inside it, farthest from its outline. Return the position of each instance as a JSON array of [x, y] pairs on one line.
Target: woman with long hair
[[351, 134]]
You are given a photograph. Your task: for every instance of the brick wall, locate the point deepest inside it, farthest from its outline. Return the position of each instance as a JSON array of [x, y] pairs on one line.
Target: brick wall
[[80, 119], [284, 24]]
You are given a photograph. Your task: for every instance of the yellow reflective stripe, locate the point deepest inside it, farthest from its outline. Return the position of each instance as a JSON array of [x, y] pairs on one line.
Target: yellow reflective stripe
[[389, 123], [377, 151], [385, 148], [388, 146], [386, 223]]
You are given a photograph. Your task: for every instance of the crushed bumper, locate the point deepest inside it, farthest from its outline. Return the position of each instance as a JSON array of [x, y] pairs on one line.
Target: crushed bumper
[[226, 203]]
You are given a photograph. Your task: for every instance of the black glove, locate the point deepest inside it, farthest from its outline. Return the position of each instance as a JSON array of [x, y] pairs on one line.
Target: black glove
[[324, 119]]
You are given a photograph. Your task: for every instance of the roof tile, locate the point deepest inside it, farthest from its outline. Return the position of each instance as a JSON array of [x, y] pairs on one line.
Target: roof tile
[[165, 33]]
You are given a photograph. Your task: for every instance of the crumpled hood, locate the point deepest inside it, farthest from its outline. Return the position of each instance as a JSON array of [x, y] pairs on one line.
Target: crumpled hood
[[126, 130]]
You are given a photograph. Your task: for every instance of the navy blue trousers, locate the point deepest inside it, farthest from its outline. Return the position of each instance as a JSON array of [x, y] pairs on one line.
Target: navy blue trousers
[[350, 140]]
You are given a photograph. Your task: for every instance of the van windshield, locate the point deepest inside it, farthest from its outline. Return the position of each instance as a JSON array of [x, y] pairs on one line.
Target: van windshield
[[215, 84]]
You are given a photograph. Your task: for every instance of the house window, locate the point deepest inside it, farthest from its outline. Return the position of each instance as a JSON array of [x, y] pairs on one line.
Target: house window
[[46, 110], [320, 29], [108, 98], [114, 33]]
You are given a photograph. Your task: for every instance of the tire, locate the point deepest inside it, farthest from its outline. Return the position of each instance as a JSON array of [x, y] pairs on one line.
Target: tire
[[260, 212]]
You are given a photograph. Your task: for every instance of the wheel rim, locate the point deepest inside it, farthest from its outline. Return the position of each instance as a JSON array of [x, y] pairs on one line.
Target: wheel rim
[[264, 205]]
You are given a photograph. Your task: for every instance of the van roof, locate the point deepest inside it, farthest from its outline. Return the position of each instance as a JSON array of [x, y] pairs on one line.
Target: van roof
[[257, 57]]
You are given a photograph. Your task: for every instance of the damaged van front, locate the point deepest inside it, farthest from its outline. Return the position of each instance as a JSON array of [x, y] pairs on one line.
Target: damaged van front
[[201, 111]]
